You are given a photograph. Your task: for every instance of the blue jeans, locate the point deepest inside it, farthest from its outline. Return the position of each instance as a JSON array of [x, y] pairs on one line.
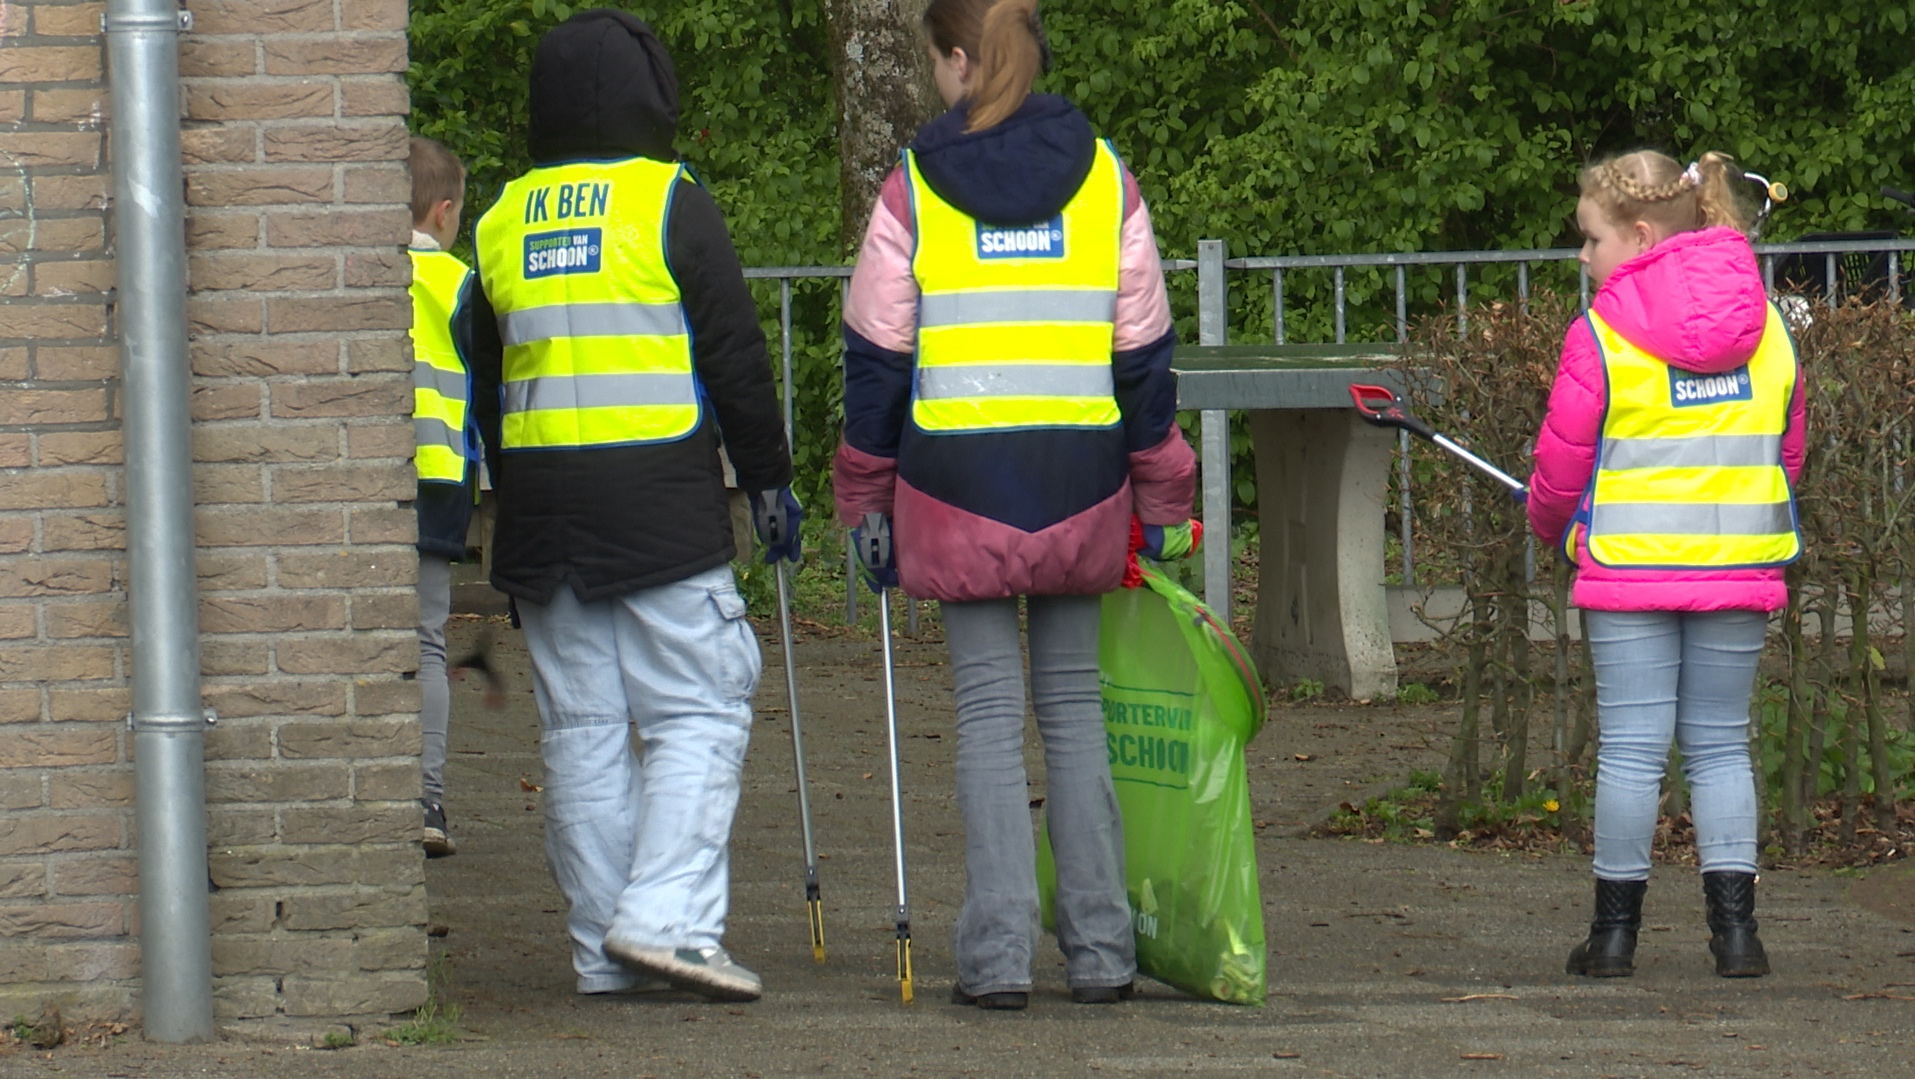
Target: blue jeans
[[636, 836], [1686, 675], [997, 929]]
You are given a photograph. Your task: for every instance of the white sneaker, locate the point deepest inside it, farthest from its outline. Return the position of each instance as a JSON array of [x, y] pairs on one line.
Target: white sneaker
[[709, 972]]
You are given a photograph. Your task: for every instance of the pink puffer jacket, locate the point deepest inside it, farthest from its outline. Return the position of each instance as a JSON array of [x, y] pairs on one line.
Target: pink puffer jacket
[[1695, 300]]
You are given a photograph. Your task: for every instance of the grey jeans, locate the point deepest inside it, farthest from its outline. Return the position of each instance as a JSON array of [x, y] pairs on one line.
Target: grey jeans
[[997, 929], [435, 696]]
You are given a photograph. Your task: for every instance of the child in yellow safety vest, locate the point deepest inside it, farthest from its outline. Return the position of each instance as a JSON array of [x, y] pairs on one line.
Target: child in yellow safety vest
[[447, 447], [1009, 412], [1665, 468]]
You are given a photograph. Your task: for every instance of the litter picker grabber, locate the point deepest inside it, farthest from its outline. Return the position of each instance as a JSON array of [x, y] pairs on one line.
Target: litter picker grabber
[[877, 532], [1381, 406], [814, 904]]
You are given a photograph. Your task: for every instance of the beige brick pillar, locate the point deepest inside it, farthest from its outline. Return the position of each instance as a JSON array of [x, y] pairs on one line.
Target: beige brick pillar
[[294, 148]]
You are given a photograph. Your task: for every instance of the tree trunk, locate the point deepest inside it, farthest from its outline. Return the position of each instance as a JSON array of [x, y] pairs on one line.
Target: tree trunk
[[1463, 784], [1559, 622], [1797, 796], [1588, 722], [1862, 656], [884, 91], [1820, 714], [1522, 688]]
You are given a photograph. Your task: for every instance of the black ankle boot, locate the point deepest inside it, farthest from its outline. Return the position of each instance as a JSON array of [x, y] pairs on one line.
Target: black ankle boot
[[1610, 951], [1732, 938]]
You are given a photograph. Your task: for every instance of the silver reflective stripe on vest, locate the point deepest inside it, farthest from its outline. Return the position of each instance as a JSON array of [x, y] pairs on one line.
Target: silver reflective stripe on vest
[[1016, 305], [592, 320], [433, 431], [600, 391], [1015, 380], [1703, 451], [1693, 518], [446, 383]]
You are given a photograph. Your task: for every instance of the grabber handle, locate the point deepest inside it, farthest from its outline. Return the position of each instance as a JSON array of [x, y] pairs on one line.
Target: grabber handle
[[1381, 406]]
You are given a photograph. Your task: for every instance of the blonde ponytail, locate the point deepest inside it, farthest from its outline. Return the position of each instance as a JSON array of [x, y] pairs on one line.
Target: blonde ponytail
[[1718, 195], [1009, 60], [1650, 186], [1003, 39]]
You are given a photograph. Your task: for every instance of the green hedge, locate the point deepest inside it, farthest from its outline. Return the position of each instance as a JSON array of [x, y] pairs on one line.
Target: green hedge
[[1326, 126]]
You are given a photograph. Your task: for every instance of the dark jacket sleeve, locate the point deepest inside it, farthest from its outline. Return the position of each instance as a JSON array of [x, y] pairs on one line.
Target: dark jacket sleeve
[[1146, 392], [877, 394], [728, 346], [475, 332]]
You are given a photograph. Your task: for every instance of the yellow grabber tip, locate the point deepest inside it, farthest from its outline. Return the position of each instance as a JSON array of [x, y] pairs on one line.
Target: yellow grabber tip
[[818, 930], [904, 968]]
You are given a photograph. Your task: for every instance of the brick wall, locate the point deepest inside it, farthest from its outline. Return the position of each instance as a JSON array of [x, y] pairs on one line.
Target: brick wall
[[294, 147]]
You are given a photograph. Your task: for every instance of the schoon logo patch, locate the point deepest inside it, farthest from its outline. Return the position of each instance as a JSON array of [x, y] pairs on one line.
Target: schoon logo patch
[[1041, 241], [568, 252], [1688, 389]]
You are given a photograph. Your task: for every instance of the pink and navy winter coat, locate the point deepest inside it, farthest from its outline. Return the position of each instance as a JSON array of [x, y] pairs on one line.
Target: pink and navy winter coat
[[1695, 301], [986, 515]]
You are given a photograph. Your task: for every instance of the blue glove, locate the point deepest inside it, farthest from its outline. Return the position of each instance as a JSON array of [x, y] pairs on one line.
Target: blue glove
[[777, 516], [872, 542], [1520, 494]]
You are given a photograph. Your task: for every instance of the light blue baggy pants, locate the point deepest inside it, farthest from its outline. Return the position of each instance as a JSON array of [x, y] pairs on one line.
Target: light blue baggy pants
[[1687, 676], [636, 834]]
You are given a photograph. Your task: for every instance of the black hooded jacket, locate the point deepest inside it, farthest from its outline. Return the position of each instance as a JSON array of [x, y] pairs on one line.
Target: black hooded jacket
[[609, 521]]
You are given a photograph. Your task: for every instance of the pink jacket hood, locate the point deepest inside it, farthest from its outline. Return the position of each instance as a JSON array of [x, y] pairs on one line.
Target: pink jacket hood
[[1695, 301]]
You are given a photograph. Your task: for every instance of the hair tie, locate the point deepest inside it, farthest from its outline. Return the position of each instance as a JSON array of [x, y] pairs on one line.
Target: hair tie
[[1693, 174]]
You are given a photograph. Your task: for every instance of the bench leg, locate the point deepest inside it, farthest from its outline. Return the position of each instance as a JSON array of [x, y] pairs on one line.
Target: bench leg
[[1215, 434], [1322, 480]]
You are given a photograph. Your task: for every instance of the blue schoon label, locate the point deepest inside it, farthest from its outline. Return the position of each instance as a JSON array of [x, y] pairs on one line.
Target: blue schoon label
[[1040, 241], [568, 252], [1688, 389]]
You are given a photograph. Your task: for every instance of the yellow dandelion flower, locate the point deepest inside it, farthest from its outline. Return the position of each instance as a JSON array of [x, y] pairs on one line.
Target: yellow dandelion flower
[[1552, 805]]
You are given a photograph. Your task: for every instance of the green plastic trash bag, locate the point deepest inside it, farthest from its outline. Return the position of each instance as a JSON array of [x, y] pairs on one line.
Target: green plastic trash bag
[[1181, 700]]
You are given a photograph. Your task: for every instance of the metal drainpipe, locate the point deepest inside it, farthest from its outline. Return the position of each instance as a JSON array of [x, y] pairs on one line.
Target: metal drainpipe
[[169, 720]]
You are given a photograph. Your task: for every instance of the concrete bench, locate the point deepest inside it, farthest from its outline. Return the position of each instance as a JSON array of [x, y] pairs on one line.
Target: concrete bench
[[1322, 486]]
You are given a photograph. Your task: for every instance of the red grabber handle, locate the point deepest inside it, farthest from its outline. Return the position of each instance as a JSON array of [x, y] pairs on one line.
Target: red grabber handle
[[1380, 406]]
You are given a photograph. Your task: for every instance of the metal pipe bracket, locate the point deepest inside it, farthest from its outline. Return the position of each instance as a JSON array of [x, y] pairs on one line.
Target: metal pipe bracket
[[134, 21], [181, 723]]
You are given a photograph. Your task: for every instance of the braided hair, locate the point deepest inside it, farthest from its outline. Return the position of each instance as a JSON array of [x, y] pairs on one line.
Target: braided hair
[[1650, 186]]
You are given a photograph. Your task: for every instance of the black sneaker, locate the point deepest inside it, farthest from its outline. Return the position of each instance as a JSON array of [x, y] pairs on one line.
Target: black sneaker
[[998, 1002], [1102, 994], [437, 841]]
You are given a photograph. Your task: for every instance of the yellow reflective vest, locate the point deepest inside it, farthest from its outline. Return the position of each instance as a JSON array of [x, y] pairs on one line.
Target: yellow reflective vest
[[597, 348], [1015, 324], [441, 388], [1689, 471]]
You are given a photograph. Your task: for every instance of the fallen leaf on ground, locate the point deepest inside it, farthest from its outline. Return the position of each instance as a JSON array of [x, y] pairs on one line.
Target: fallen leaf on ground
[[527, 785]]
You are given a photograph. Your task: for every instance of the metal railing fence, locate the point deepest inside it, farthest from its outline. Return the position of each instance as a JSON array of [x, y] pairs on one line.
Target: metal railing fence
[[1840, 270]]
